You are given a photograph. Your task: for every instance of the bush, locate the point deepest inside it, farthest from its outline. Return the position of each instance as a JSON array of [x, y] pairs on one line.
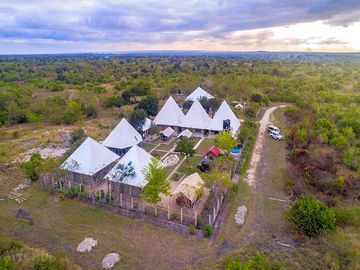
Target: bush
[[72, 112], [192, 229], [6, 263], [311, 217], [76, 135], [31, 168], [260, 261], [47, 263], [256, 97], [208, 230], [173, 216], [70, 192], [91, 111], [114, 101]]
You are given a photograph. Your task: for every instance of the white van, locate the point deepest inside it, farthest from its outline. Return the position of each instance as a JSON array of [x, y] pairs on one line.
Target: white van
[[273, 129]]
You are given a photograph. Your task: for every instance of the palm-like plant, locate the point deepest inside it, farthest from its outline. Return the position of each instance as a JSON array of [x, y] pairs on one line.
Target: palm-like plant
[[120, 172]]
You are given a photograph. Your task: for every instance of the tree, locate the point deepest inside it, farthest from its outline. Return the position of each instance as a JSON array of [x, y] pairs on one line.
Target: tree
[[120, 172], [185, 146], [255, 97], [155, 175], [149, 104], [137, 119], [217, 181], [311, 217], [225, 141], [154, 129], [114, 101], [72, 112], [90, 110], [187, 104], [339, 142], [31, 167]]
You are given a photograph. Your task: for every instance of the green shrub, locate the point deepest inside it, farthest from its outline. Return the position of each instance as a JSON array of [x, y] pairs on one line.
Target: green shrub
[[6, 263], [114, 101], [311, 217], [173, 216], [90, 111], [31, 168], [76, 135], [259, 262], [208, 230], [47, 263], [192, 229]]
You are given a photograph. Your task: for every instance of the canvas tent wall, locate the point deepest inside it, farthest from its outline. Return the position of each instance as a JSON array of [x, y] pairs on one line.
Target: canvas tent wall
[[167, 133], [122, 137], [224, 115], [170, 115], [137, 158], [188, 190], [146, 127], [89, 163], [197, 118], [185, 133], [199, 93]]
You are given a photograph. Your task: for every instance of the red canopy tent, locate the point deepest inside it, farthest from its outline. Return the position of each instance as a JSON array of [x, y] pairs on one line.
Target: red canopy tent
[[212, 152]]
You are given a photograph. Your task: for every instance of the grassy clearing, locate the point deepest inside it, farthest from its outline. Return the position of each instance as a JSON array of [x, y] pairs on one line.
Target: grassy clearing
[[60, 226], [148, 146], [167, 146], [205, 145]]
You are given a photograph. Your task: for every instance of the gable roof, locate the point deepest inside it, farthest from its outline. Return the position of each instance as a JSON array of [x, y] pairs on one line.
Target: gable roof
[[170, 114], [167, 132], [89, 158], [139, 159], [214, 150], [122, 136], [189, 185], [196, 117], [198, 93], [147, 124], [185, 133], [224, 113]]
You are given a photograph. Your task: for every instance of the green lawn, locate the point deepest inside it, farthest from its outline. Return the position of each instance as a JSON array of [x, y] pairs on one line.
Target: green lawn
[[166, 146], [148, 146], [205, 145]]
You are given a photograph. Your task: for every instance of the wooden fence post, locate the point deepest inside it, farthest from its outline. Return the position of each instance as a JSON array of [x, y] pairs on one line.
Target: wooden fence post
[[195, 220], [132, 202], [209, 219], [121, 200], [53, 182], [214, 216], [181, 215], [168, 212]]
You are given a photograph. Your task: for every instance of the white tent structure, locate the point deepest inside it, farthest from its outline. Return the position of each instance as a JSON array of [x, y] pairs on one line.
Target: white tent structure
[[168, 132], [198, 93], [89, 158], [123, 136], [224, 113], [170, 114], [188, 188], [139, 159], [147, 125], [186, 133], [196, 118]]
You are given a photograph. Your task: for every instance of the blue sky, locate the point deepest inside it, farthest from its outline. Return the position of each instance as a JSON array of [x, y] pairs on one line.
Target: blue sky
[[45, 26]]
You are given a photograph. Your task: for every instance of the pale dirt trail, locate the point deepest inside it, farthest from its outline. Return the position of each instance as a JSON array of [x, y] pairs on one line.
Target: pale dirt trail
[[256, 154]]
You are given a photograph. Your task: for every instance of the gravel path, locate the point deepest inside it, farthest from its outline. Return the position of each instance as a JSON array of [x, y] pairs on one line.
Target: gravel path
[[256, 155]]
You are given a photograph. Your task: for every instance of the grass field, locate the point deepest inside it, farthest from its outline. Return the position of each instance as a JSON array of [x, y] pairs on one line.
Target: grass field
[[205, 145], [59, 226]]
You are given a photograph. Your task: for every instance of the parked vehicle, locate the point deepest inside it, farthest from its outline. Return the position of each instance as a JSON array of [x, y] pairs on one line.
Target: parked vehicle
[[272, 128], [276, 136]]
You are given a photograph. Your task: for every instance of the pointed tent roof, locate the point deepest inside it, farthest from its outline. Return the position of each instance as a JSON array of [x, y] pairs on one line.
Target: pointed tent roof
[[196, 117], [170, 114], [123, 136], [198, 93], [89, 158], [139, 159], [224, 113], [189, 186], [168, 132]]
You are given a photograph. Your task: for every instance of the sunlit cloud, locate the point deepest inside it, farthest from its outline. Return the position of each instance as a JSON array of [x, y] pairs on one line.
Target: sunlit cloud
[[41, 26]]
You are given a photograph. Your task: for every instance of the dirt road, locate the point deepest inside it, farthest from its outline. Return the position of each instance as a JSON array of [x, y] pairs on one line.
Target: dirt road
[[256, 155]]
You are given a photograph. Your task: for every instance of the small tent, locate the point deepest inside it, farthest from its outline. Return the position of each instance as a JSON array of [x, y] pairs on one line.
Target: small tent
[[188, 190], [186, 133], [167, 133], [123, 136], [198, 93], [212, 152]]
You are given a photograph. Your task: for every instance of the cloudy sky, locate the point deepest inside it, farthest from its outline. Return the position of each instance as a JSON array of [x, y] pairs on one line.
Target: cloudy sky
[[59, 26]]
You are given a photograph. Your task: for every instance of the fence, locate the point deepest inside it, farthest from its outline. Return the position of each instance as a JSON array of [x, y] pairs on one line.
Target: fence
[[175, 218]]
